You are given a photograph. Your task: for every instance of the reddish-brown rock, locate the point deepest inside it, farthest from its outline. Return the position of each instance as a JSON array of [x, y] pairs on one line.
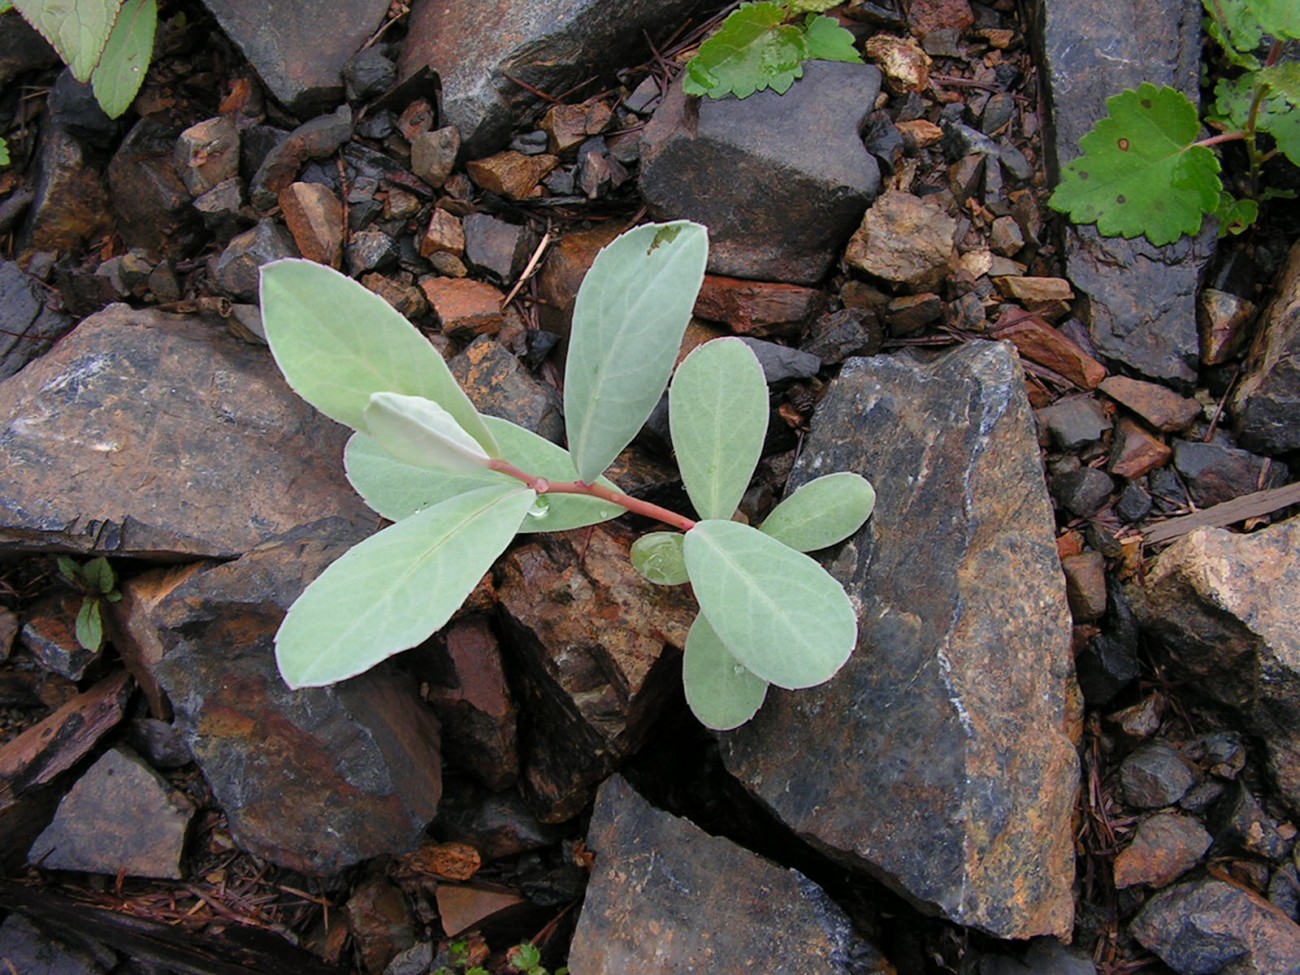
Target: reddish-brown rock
[[567, 263], [1165, 846], [315, 218], [1135, 451], [1040, 342], [510, 174], [567, 126], [924, 16], [1159, 405], [1048, 298], [444, 233], [759, 308], [464, 307]]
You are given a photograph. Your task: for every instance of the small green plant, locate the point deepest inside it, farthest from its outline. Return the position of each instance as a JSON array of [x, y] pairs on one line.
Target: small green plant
[[459, 485], [97, 584], [108, 43], [764, 45], [524, 958], [1145, 170], [4, 152]]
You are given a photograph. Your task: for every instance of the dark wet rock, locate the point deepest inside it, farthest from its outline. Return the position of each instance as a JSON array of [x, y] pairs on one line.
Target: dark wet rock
[[781, 363], [590, 680], [908, 314], [905, 241], [1223, 753], [1134, 503], [1044, 956], [1212, 602], [22, 49], [316, 779], [1158, 405], [151, 207], [29, 947], [28, 325], [120, 817], [973, 760], [1211, 926], [477, 49], [317, 139], [298, 53], [884, 140], [207, 153], [49, 635], [1135, 451], [1167, 490], [370, 250], [1224, 320], [1083, 492], [157, 435], [1266, 405], [1074, 422], [433, 154], [1215, 472], [464, 307], [128, 273], [74, 109], [495, 246], [158, 743], [314, 217], [1085, 585], [71, 204], [499, 385], [775, 229], [1141, 307], [1164, 847], [844, 333], [666, 896], [1241, 825], [497, 824], [368, 73], [219, 208], [1155, 775], [237, 271], [379, 921]]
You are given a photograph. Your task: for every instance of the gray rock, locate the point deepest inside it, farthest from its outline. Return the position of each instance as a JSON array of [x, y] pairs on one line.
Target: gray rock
[[297, 48], [433, 154], [1074, 422], [780, 362], [315, 780], [1208, 926], [207, 153], [1044, 956], [667, 897], [798, 177], [497, 247], [120, 817], [161, 436], [498, 384], [1266, 405], [151, 207], [369, 73], [1142, 299], [317, 139], [28, 325], [1083, 492], [1241, 825], [947, 730], [1155, 775], [1215, 472], [478, 48], [237, 271], [32, 949], [1220, 606]]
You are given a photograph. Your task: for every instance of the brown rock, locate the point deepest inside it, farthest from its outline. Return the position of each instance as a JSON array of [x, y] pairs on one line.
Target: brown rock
[[1005, 237], [905, 241], [924, 16], [445, 233], [909, 314], [1224, 321], [315, 218], [1164, 847], [567, 126], [497, 384], [71, 205], [464, 307], [905, 65], [139, 645], [920, 132], [433, 154], [1135, 452], [1085, 585], [510, 174], [316, 139], [567, 263], [207, 153], [151, 207], [406, 298], [761, 308], [1160, 406], [380, 921], [1039, 342], [1048, 298], [450, 861], [461, 908]]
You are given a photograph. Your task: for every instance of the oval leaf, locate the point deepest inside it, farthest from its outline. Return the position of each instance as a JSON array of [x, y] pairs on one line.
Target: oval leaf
[[658, 557], [779, 612], [77, 29], [337, 342], [397, 587], [717, 412], [721, 692], [418, 431], [822, 512], [122, 68], [628, 322]]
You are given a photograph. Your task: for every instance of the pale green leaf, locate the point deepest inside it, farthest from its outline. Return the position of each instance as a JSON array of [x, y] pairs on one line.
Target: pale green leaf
[[121, 70], [6, 6], [721, 692], [90, 625], [822, 512], [392, 591], [396, 490], [658, 556], [418, 431], [779, 612], [826, 40], [628, 321], [77, 29], [337, 342], [717, 412]]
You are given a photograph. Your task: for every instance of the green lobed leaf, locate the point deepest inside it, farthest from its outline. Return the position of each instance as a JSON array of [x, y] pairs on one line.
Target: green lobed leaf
[[418, 431], [90, 624], [125, 61], [393, 590], [1277, 18], [4, 153], [396, 490], [628, 321], [658, 557], [826, 40], [1234, 27], [337, 342], [721, 692], [1279, 113], [778, 612], [822, 512], [77, 29], [1235, 216], [812, 6], [98, 575], [753, 50], [717, 413], [1140, 172]]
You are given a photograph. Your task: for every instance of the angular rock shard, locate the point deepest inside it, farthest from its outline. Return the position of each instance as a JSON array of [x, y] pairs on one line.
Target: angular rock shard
[[1266, 405], [949, 729]]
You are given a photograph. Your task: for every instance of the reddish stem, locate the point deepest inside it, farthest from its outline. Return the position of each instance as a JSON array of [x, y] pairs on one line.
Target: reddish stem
[[543, 486]]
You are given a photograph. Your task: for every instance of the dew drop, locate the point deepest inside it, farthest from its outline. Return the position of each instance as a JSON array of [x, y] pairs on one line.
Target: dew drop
[[540, 509], [738, 669]]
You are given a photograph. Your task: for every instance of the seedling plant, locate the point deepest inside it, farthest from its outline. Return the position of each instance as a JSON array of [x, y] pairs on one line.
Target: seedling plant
[[459, 485], [1146, 169], [97, 584]]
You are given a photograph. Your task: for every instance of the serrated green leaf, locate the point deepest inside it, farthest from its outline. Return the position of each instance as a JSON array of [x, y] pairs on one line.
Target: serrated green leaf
[[4, 153], [120, 73], [753, 50], [90, 625], [337, 342], [525, 956], [1279, 113], [1277, 18], [628, 321], [1235, 216], [418, 431], [721, 692], [1140, 172], [1233, 26], [717, 413], [779, 612], [822, 512], [658, 557], [76, 29], [396, 490], [392, 591], [98, 575], [826, 40]]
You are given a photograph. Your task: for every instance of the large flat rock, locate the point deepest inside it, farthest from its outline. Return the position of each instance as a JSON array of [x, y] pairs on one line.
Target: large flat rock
[[949, 729], [161, 436]]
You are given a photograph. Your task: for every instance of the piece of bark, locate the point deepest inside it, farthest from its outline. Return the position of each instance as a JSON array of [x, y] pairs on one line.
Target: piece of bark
[[1228, 513]]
